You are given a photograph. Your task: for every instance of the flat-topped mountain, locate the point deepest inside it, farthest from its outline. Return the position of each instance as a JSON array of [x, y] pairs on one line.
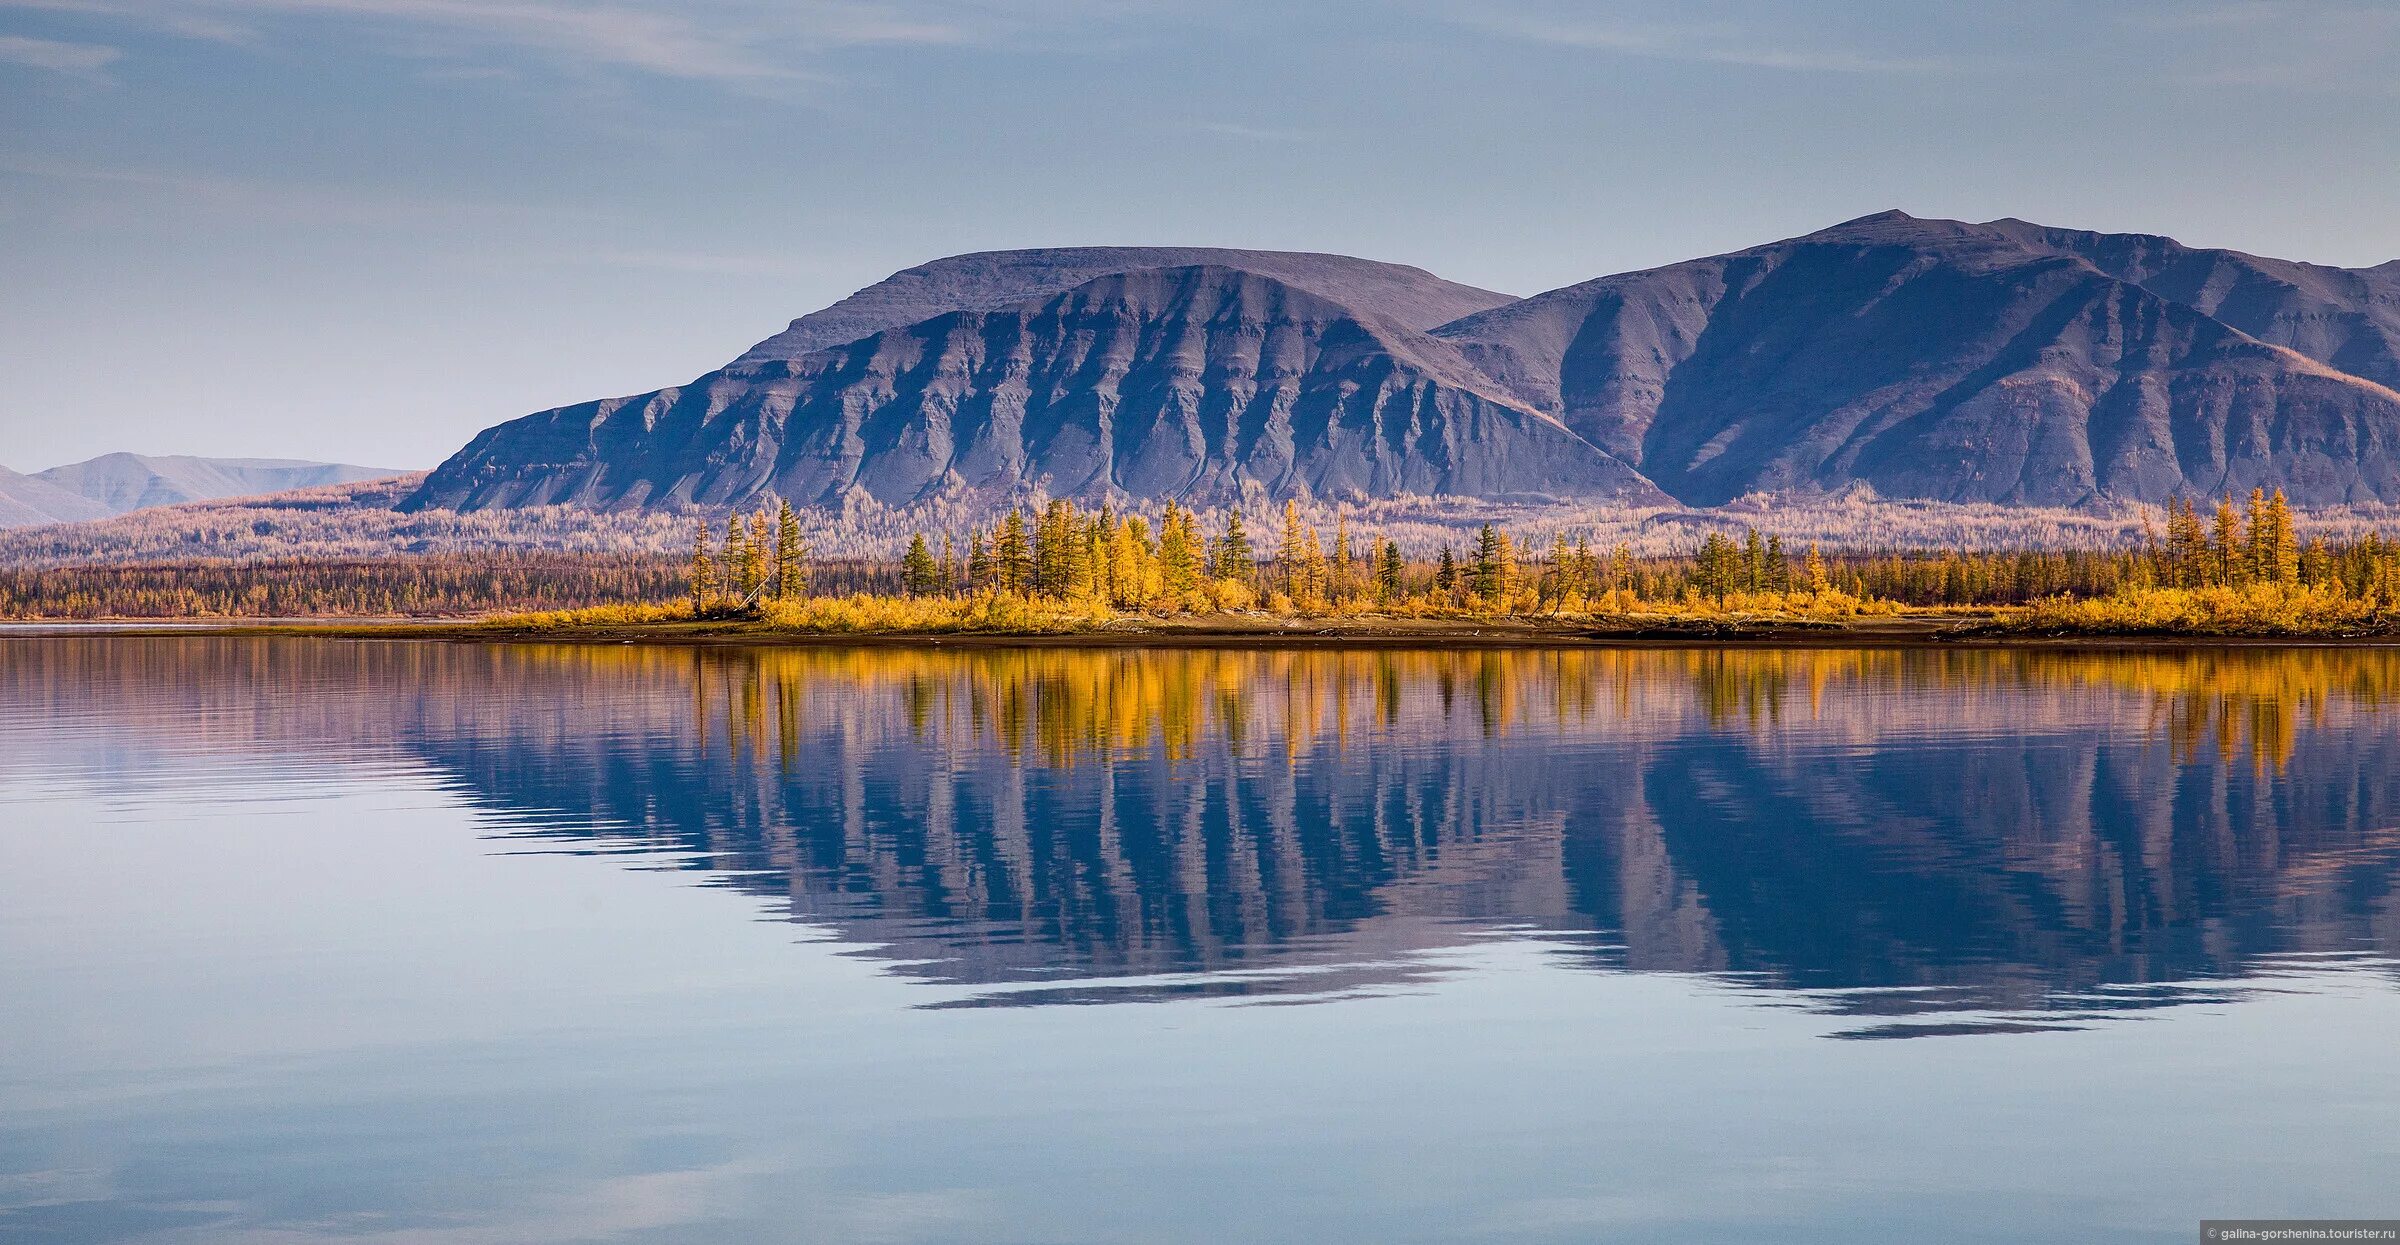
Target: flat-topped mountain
[[2002, 362], [1197, 382], [746, 429], [989, 280]]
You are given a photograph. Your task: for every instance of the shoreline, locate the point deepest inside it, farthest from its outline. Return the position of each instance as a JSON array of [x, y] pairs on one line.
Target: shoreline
[[1945, 631]]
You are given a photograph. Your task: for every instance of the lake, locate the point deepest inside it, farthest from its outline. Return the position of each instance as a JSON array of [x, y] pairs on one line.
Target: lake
[[312, 940]]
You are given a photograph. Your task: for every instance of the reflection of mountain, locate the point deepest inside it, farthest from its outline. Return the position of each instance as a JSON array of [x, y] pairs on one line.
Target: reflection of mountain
[[2038, 834]]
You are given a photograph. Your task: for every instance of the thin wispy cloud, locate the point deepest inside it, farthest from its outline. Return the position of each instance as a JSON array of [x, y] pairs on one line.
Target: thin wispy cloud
[[720, 40], [2305, 47], [168, 18], [82, 60], [2287, 16], [250, 198], [1717, 42]]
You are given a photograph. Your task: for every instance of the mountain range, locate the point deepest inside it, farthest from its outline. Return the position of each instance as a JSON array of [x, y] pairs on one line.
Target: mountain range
[[2002, 362], [114, 484]]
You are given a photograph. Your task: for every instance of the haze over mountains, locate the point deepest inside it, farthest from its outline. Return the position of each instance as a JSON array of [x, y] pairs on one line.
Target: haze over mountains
[[29, 501], [2003, 363], [114, 484]]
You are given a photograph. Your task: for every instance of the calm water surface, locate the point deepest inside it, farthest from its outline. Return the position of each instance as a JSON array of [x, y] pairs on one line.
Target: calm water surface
[[322, 941]]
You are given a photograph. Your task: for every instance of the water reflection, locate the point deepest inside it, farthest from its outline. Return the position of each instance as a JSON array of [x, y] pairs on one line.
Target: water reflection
[[1929, 841]]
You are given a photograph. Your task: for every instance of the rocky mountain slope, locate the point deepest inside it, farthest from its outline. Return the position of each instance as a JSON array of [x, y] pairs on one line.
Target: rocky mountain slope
[[1967, 363], [2346, 318], [1198, 382], [124, 482], [2002, 363]]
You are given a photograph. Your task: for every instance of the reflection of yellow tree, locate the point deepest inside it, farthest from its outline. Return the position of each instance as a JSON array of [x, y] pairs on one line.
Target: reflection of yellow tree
[[1064, 706], [1750, 686], [2257, 700]]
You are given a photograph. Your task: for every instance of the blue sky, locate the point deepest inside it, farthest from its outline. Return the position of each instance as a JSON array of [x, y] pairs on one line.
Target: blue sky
[[365, 229]]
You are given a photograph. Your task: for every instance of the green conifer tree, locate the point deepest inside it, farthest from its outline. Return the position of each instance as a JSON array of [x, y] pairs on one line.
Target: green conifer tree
[[1235, 559], [979, 562], [1492, 575], [791, 555], [1718, 562], [919, 575]]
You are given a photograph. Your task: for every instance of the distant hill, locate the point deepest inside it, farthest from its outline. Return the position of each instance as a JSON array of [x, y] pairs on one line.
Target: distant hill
[[116, 483], [29, 501]]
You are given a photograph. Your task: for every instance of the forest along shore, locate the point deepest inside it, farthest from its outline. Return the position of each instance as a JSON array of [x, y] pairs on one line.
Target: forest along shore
[[1231, 630], [1949, 629], [1098, 577]]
